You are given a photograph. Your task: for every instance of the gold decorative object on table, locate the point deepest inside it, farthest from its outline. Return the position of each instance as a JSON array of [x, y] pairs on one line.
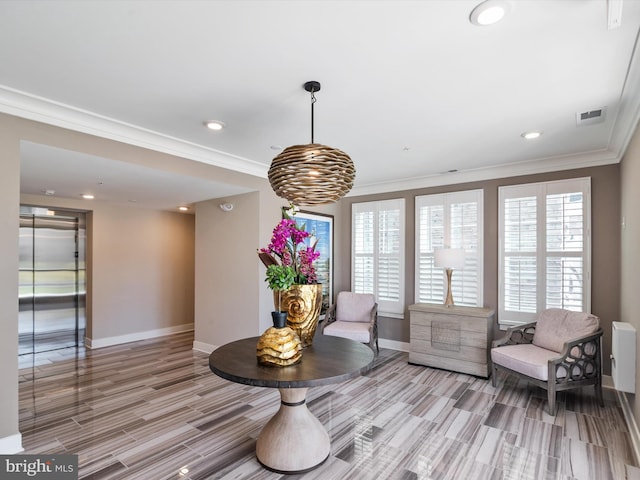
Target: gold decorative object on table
[[279, 347], [302, 303]]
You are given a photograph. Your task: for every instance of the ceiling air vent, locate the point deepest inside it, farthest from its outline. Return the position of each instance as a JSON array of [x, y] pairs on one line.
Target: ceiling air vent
[[592, 116]]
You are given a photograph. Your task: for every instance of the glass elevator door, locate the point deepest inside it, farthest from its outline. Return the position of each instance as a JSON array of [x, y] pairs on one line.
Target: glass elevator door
[[52, 280]]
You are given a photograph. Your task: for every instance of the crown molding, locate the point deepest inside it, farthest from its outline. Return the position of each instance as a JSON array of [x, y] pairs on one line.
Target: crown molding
[[31, 107], [530, 167]]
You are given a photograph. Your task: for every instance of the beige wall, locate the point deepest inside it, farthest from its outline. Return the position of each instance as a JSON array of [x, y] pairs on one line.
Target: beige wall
[[227, 293], [143, 275], [9, 215], [630, 251], [605, 183]]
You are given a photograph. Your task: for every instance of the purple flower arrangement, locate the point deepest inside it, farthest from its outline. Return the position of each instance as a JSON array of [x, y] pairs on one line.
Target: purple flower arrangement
[[288, 249]]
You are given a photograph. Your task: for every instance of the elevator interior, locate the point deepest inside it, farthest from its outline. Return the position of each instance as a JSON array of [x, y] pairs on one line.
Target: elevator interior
[[52, 279]]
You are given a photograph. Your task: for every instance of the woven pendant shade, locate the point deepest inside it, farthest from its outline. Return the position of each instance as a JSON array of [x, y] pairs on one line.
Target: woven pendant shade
[[311, 174]]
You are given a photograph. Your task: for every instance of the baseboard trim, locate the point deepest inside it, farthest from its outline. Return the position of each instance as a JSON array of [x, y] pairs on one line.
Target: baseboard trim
[[137, 336], [204, 347], [394, 345], [11, 444], [632, 425], [607, 382]]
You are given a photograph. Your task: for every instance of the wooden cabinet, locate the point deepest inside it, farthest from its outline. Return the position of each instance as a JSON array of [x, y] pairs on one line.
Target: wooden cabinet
[[453, 338]]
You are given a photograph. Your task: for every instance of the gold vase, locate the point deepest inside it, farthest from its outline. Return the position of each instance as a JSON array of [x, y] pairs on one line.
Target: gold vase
[[303, 304], [279, 346]]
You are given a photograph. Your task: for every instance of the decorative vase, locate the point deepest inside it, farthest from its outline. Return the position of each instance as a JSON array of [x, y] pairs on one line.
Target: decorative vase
[[279, 346], [302, 304]]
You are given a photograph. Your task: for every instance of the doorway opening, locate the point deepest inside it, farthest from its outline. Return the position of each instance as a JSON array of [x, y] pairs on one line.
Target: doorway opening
[[52, 279]]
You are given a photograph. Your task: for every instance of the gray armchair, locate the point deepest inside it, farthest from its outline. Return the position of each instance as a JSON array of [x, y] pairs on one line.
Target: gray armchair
[[561, 350], [353, 316]]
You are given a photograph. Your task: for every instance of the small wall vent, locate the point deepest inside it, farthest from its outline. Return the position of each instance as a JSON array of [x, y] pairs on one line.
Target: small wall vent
[[592, 116]]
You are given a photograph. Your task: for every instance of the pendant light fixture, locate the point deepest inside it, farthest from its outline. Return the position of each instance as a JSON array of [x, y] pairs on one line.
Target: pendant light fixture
[[311, 174]]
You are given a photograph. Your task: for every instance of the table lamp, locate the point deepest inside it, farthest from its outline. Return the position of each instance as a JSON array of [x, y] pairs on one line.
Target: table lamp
[[449, 258]]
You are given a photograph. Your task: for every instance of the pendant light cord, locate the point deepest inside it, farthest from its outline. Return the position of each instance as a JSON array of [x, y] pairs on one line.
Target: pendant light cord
[[313, 101]]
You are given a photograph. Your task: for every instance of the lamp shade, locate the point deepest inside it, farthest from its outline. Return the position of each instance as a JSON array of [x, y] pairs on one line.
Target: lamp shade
[[311, 174], [449, 258]]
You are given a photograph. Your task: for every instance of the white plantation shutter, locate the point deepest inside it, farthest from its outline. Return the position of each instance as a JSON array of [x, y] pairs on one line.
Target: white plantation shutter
[[545, 254], [363, 251], [451, 220], [378, 253], [430, 283]]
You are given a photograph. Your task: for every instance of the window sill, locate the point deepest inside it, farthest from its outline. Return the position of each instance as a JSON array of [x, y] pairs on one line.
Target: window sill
[[504, 324]]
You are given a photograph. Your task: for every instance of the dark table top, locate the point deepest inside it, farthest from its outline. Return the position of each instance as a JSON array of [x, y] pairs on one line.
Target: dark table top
[[329, 360]]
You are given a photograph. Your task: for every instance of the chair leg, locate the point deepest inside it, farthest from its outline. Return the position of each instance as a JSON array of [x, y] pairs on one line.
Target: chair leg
[[373, 341], [599, 393], [551, 400], [494, 376]]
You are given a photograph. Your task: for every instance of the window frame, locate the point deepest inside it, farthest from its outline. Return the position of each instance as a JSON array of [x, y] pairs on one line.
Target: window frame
[[446, 200], [541, 190], [386, 308]]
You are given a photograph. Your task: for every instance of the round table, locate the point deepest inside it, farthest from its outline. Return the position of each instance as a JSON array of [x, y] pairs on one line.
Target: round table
[[294, 440]]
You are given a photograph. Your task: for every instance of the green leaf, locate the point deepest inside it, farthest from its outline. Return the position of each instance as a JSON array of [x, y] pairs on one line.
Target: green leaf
[[280, 277]]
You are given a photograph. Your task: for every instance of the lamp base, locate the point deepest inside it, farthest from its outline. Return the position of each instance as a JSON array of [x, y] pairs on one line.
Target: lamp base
[[449, 301]]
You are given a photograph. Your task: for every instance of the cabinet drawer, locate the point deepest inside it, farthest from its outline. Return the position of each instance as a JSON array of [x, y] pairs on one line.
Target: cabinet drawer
[[469, 324], [449, 334], [462, 352]]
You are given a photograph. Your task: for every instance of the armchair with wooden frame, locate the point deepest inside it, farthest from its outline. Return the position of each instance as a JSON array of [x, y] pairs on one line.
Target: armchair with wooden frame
[[561, 350], [353, 316]]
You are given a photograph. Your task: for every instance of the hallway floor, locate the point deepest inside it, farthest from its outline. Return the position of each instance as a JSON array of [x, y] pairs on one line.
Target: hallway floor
[[153, 410]]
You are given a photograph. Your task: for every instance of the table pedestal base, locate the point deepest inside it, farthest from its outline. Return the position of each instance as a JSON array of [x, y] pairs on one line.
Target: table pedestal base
[[294, 440]]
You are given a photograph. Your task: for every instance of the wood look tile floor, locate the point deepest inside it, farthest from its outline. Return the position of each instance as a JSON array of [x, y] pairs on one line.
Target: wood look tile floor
[[153, 410]]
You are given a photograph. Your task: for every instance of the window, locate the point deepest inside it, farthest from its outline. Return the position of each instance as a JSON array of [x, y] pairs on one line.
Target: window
[[544, 249], [451, 220], [377, 233]]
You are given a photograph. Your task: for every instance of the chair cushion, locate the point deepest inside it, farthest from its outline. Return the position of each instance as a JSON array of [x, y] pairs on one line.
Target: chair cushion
[[524, 358], [352, 330], [354, 307], [556, 326]]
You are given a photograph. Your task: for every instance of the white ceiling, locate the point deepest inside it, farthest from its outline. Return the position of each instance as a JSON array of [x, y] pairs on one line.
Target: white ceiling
[[410, 89]]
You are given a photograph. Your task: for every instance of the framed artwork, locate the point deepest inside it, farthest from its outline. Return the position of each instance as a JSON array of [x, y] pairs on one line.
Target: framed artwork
[[320, 226]]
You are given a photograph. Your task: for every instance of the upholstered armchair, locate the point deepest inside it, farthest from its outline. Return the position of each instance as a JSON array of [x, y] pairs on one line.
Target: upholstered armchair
[[561, 350], [353, 316]]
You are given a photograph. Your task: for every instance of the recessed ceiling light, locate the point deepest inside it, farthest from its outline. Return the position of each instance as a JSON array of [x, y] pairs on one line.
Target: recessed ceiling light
[[215, 125], [489, 12], [531, 135], [184, 209], [88, 196]]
